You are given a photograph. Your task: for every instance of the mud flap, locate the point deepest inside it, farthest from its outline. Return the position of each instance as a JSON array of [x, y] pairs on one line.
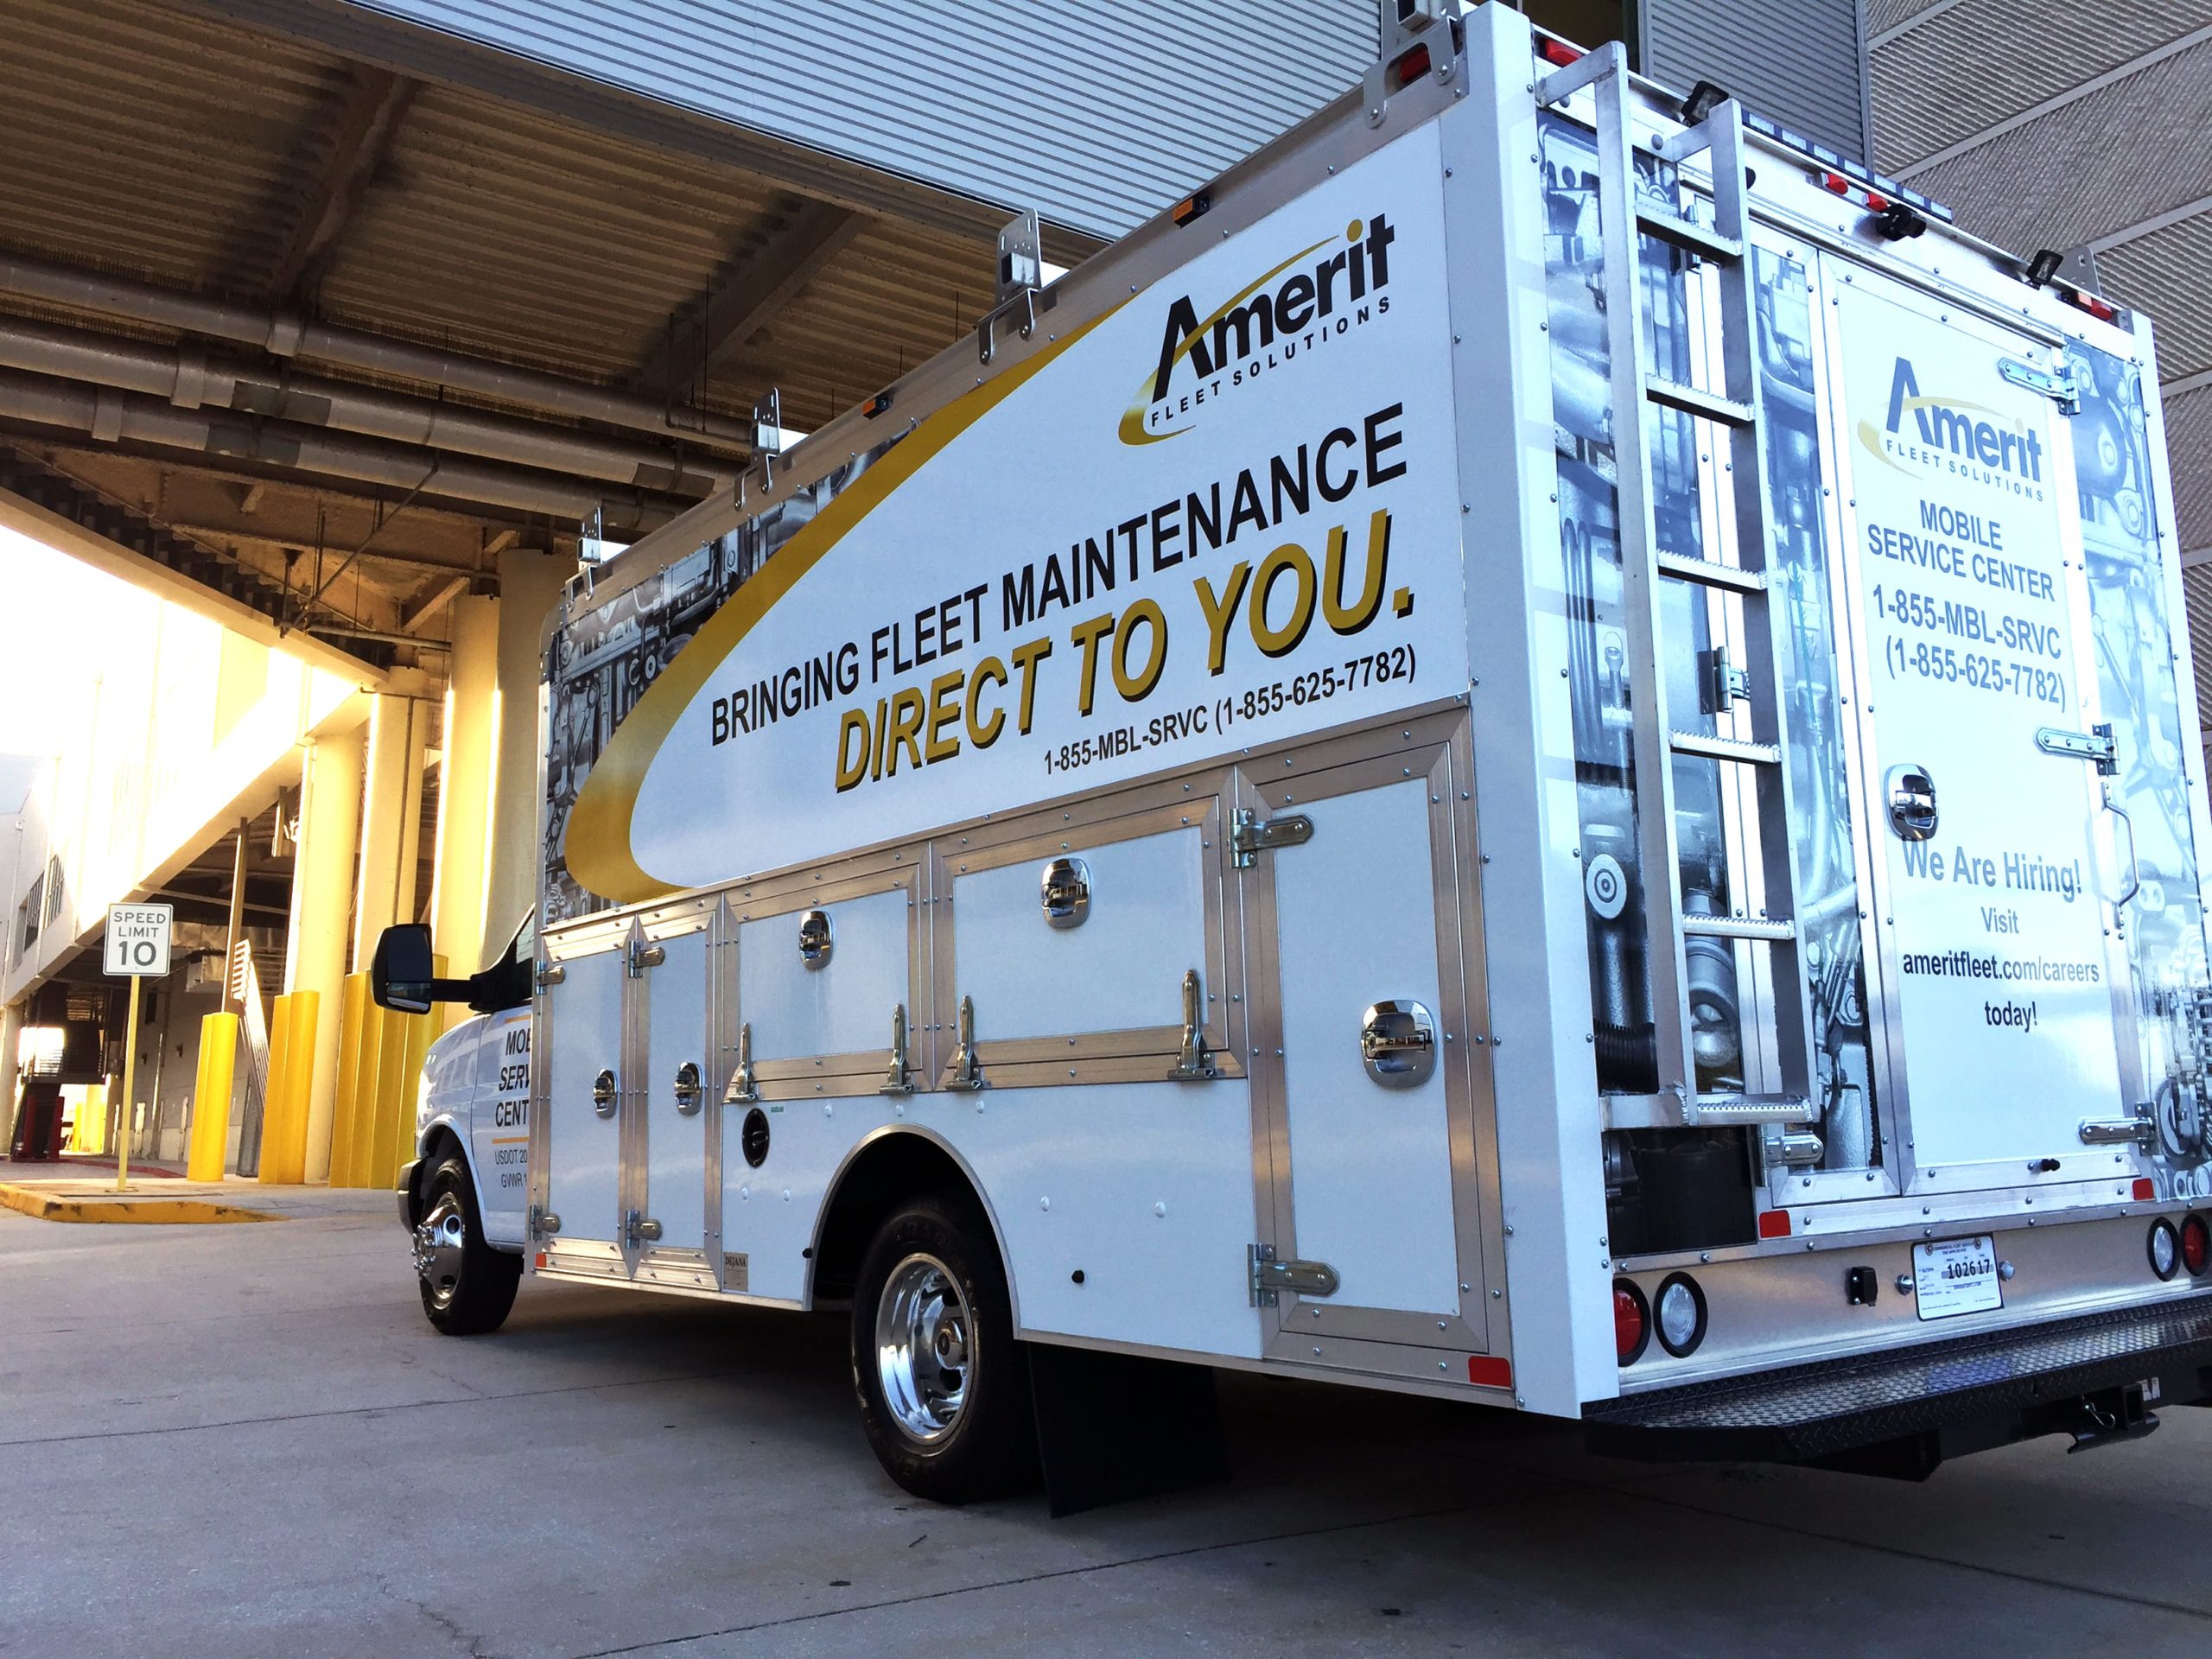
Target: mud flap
[[1114, 1427]]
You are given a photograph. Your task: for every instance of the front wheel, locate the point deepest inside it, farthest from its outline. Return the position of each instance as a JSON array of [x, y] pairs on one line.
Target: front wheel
[[467, 1287], [944, 1387]]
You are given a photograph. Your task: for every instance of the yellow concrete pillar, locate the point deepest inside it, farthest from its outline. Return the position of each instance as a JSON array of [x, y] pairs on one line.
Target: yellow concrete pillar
[[391, 820], [322, 901], [530, 588], [457, 892], [211, 1096]]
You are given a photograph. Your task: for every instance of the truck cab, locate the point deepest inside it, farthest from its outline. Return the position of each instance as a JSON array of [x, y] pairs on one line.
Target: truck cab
[[462, 1196]]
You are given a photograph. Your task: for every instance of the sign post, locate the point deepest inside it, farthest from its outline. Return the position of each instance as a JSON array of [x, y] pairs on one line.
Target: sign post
[[138, 947]]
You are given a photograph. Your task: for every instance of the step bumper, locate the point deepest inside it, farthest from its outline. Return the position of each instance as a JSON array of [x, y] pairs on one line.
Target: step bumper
[[2081, 1375]]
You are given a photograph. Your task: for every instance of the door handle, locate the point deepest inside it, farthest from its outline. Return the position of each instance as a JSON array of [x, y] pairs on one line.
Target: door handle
[[1397, 1044], [1911, 794], [690, 1090]]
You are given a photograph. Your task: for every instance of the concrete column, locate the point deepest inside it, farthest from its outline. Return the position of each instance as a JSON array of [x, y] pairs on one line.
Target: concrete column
[[11, 1037], [391, 820], [529, 586], [322, 903], [457, 893]]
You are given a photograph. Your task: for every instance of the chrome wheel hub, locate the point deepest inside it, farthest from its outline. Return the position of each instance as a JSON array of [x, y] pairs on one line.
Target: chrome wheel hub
[[439, 1242], [922, 1348]]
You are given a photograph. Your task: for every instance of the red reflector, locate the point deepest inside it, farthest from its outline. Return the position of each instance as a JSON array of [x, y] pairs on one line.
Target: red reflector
[[1558, 52], [2144, 1191], [1774, 1223], [1411, 66], [1488, 1371], [541, 1258], [2102, 310], [2195, 1244], [1836, 182], [1628, 1323]]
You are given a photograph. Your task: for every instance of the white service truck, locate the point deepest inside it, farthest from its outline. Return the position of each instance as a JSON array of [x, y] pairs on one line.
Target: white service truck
[[1539, 750]]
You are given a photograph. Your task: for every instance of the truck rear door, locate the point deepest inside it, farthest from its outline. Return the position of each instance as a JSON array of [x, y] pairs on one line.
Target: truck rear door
[[2000, 875]]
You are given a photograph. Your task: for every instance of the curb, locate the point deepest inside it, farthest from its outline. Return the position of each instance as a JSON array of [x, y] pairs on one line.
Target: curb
[[127, 1207]]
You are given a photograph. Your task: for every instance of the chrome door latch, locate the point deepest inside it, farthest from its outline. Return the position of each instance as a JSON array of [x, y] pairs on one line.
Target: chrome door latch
[[743, 1088], [897, 1079], [1912, 795], [1397, 1044], [543, 1223], [1249, 835], [603, 1093], [644, 956], [1194, 1063], [965, 1071], [638, 1229], [1271, 1278], [689, 1089]]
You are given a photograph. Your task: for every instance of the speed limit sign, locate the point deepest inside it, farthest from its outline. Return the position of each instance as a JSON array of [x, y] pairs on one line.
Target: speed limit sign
[[137, 940]]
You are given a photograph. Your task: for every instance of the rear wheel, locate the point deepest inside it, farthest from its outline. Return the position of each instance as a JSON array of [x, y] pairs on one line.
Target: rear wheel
[[944, 1387], [467, 1287]]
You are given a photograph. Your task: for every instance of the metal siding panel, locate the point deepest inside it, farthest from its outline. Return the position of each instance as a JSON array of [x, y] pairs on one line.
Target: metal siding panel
[[2173, 265], [1096, 115], [1983, 61], [2121, 156], [1798, 63], [2189, 446]]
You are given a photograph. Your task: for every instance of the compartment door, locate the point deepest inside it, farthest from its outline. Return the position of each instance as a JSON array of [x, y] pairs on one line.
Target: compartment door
[[669, 1145], [1995, 862], [580, 1108], [1367, 1067]]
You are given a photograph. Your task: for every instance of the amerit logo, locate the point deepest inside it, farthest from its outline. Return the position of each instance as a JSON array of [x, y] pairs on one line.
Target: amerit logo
[[1263, 327], [1955, 438]]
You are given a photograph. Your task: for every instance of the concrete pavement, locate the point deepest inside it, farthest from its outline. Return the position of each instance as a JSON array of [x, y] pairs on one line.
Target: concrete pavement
[[247, 1441]]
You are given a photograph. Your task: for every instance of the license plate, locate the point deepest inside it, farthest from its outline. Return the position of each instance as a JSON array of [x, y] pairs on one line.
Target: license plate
[[1956, 1276]]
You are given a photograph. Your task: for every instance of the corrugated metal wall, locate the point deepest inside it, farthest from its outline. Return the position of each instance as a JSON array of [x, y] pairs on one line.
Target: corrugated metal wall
[[1097, 115], [1801, 62]]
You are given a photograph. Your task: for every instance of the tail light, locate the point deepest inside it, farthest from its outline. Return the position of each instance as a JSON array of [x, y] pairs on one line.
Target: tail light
[[1631, 1321], [1678, 1313], [2164, 1249], [2196, 1245]]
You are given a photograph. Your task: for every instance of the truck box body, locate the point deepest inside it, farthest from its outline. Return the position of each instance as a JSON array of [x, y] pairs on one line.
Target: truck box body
[[1426, 776]]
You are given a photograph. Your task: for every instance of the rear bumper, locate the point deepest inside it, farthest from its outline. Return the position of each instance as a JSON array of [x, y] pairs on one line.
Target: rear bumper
[[1903, 1413]]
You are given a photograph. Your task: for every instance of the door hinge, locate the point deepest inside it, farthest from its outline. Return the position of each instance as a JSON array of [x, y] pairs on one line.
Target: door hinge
[[2096, 744], [1193, 1065], [1271, 1278], [2063, 386], [2119, 1132], [644, 956], [1249, 835], [551, 973]]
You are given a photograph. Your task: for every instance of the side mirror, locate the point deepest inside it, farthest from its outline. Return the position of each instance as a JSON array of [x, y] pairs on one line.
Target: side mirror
[[404, 974]]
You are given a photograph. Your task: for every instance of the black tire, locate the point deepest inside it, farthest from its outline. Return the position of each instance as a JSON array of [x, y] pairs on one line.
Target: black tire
[[467, 1287], [987, 1445]]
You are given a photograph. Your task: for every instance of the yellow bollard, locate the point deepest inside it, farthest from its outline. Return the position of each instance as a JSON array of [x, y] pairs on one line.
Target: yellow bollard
[[292, 1072], [211, 1100], [357, 1015]]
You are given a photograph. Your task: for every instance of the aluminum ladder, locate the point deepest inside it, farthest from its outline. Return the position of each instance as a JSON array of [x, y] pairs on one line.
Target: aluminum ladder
[[1738, 410]]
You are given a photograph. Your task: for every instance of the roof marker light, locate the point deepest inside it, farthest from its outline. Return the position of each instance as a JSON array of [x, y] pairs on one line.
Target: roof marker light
[[1189, 207], [2102, 310], [1558, 53], [1411, 66]]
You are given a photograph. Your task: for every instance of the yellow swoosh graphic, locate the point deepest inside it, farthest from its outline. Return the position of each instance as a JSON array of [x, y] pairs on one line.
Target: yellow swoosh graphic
[[1870, 436], [597, 841], [1132, 428]]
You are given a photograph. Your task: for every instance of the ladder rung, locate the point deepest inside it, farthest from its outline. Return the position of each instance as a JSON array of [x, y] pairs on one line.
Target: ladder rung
[[1681, 234], [1706, 405], [1670, 1111], [1712, 575], [1725, 748], [1740, 927]]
